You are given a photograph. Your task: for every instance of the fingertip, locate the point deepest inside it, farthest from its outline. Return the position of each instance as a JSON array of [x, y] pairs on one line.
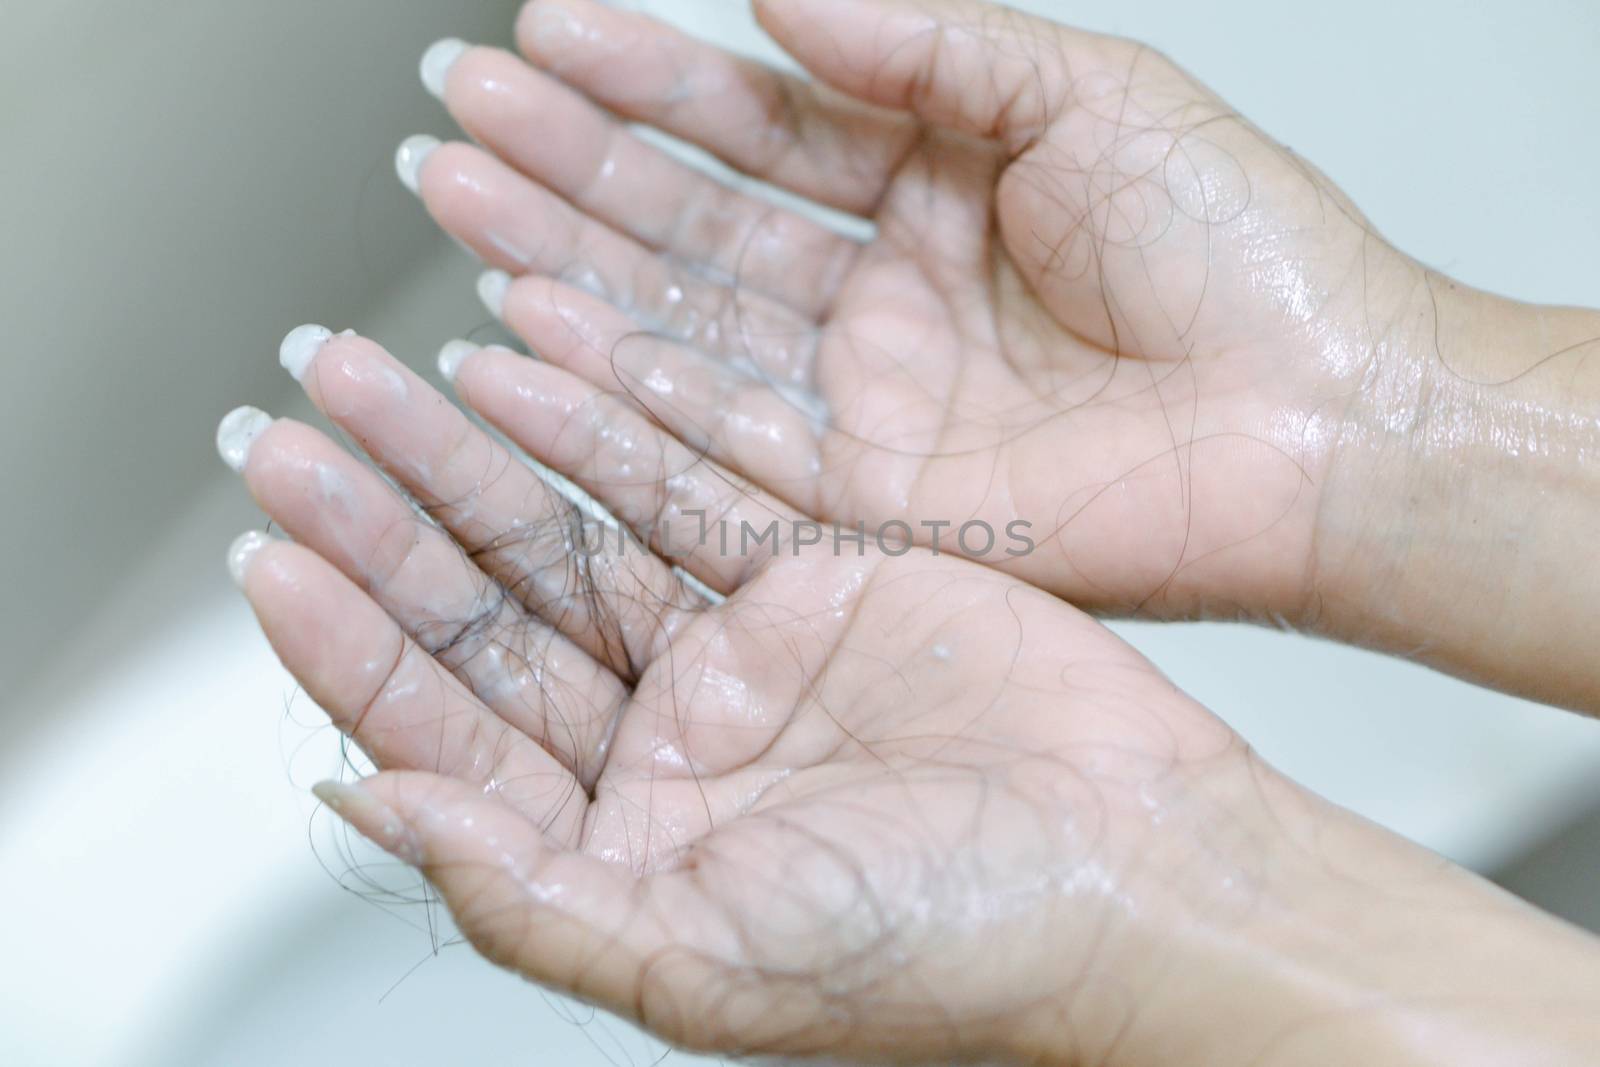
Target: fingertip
[[237, 432], [437, 61], [453, 355], [492, 288], [356, 376], [371, 817], [300, 347], [243, 552], [409, 158]]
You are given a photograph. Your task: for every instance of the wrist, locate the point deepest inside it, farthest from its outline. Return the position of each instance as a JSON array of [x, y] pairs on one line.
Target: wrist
[[1457, 518], [1393, 957], [1315, 937]]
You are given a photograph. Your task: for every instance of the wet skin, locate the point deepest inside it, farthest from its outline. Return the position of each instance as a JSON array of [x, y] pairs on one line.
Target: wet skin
[[896, 809], [1094, 298], [914, 807]]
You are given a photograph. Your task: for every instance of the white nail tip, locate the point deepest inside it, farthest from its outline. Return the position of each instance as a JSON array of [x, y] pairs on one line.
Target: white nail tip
[[452, 355], [300, 347], [408, 159], [492, 287], [237, 431], [242, 551], [437, 61]]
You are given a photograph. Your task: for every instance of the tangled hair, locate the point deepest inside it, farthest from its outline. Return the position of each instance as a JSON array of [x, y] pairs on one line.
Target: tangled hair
[[1125, 294]]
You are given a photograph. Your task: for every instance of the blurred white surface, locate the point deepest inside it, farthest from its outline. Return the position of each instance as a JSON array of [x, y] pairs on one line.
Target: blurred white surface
[[165, 904]]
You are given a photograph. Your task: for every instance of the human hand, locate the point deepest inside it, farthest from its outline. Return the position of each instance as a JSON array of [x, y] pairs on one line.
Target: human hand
[[1097, 300], [798, 820], [892, 809]]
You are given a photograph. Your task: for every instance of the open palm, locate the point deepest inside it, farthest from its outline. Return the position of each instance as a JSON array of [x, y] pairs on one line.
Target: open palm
[[770, 788], [797, 816], [1095, 300]]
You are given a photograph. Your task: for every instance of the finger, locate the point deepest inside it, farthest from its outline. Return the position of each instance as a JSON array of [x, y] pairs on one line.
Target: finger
[[565, 142], [765, 421], [533, 678], [615, 600], [966, 65], [688, 509], [770, 125], [380, 688], [521, 227], [574, 328], [566, 920]]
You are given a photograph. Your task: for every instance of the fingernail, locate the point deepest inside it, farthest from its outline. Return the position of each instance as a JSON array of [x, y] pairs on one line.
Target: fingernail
[[237, 431], [408, 160], [437, 61], [452, 355], [371, 818], [492, 286], [301, 347], [242, 551]]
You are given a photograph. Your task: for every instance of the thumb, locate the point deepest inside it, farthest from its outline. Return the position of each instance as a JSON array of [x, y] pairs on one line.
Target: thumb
[[975, 67], [567, 920]]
